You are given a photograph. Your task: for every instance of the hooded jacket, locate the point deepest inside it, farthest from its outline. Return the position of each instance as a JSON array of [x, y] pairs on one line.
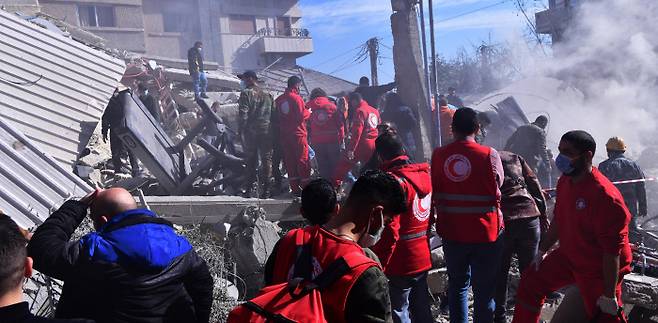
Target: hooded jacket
[[327, 124], [521, 193], [134, 269], [404, 247], [364, 130], [292, 114]]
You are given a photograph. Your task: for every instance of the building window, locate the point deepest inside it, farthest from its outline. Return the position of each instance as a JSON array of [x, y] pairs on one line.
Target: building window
[[96, 16], [283, 26], [245, 25], [175, 22]]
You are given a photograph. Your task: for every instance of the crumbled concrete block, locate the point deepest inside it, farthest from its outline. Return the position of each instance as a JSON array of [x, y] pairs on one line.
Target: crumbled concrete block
[[437, 280]]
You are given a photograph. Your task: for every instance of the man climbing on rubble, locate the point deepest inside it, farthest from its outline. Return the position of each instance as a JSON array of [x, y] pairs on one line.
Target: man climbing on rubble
[[255, 127], [454, 99], [524, 210], [15, 267], [133, 268], [405, 120], [466, 178], [292, 116], [619, 168], [404, 249], [372, 94], [529, 142], [362, 294], [197, 71], [363, 132], [327, 131], [113, 119], [446, 113], [591, 225]]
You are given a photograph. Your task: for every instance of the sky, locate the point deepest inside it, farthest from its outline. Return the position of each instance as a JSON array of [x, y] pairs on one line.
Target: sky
[[339, 27]]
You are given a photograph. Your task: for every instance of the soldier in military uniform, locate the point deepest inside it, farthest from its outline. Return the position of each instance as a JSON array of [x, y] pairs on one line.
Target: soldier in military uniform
[[619, 168]]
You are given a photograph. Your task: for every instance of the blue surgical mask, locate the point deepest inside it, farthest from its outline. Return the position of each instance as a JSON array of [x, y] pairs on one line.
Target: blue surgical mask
[[563, 163]]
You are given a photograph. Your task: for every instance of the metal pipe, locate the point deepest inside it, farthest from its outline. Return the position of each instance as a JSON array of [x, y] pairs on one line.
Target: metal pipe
[[434, 74]]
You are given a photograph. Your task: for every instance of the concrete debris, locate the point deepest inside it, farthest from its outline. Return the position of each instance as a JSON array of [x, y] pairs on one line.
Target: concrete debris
[[640, 290], [437, 280], [252, 240], [438, 258]]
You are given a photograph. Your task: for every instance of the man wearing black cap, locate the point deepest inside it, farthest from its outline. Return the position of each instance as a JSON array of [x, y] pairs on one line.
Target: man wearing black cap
[[255, 117], [292, 116]]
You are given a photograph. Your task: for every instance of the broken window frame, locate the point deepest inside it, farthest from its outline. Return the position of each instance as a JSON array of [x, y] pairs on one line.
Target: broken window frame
[[94, 19]]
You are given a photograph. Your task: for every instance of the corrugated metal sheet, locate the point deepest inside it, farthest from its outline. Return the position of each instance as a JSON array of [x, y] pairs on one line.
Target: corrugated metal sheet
[[31, 183], [60, 111]]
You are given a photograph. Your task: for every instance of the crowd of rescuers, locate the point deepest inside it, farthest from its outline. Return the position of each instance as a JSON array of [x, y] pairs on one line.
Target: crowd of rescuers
[[485, 205]]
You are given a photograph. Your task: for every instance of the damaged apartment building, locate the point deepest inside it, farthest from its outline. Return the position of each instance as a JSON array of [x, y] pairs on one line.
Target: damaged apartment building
[[265, 35]]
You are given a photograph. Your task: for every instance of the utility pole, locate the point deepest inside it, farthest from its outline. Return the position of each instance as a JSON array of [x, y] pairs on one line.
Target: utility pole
[[435, 88], [426, 67], [373, 49]]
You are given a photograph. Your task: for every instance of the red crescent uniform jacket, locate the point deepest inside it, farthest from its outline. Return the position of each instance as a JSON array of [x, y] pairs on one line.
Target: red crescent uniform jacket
[[592, 220], [404, 247], [364, 130], [465, 193], [327, 125], [325, 249], [292, 114]]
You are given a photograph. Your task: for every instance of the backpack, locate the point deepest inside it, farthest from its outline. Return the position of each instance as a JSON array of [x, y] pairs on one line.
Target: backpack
[[300, 299]]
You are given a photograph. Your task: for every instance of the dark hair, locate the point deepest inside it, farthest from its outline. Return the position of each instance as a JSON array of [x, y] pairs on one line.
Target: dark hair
[[364, 80], [377, 187], [541, 118], [294, 80], [13, 252], [484, 118], [465, 121], [580, 139], [443, 102], [318, 201], [141, 86], [389, 146], [355, 96], [198, 43], [317, 93]]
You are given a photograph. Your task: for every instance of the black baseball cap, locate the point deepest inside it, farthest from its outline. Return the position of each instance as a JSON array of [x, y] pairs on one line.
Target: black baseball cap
[[248, 74]]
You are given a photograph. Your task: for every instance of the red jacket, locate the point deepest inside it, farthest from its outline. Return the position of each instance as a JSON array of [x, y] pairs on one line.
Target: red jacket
[[404, 247], [592, 220], [363, 127], [292, 114], [325, 249], [466, 194], [327, 126]]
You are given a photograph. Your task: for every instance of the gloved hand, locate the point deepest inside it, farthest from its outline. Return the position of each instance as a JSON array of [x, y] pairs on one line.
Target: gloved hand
[[608, 305], [538, 259]]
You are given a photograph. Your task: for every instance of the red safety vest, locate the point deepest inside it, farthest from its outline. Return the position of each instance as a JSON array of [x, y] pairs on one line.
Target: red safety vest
[[411, 253], [292, 114], [465, 193], [325, 249], [327, 125]]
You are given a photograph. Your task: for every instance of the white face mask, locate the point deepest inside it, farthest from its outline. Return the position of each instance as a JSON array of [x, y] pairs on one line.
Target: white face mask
[[368, 240], [243, 85]]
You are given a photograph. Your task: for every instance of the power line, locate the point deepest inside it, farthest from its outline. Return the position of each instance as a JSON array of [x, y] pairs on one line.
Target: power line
[[337, 56], [472, 11]]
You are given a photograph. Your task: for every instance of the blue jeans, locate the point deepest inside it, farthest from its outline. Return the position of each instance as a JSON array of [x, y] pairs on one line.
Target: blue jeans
[[410, 298], [200, 83], [473, 264]]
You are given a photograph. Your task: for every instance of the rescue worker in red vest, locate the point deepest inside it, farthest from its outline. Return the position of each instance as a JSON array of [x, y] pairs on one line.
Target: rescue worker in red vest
[[404, 249], [363, 132], [362, 294], [292, 117], [591, 224], [327, 131], [466, 180]]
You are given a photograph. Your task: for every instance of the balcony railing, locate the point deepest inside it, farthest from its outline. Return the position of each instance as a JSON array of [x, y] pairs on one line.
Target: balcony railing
[[284, 32]]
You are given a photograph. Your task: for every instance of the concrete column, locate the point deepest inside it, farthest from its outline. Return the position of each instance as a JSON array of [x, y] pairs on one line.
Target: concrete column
[[408, 63]]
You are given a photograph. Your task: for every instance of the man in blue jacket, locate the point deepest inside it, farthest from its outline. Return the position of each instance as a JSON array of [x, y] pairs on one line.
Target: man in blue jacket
[[133, 268]]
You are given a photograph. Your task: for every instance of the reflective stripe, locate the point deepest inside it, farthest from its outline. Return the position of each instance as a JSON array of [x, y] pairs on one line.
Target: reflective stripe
[[466, 209], [413, 235], [466, 198]]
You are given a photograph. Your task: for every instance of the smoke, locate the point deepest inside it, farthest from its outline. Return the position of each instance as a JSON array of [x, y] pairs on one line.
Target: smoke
[[603, 78]]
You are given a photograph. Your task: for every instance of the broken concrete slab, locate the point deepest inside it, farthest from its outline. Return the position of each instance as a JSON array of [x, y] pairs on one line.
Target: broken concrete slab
[[640, 290], [437, 280], [214, 209], [438, 258]]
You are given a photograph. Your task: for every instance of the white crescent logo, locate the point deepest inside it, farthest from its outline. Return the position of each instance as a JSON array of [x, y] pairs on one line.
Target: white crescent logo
[[457, 168], [422, 207], [285, 108], [373, 121], [581, 204], [321, 117]]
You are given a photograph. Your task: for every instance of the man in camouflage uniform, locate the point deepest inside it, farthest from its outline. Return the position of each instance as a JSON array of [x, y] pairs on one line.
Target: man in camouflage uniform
[[529, 142], [255, 128], [619, 168]]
